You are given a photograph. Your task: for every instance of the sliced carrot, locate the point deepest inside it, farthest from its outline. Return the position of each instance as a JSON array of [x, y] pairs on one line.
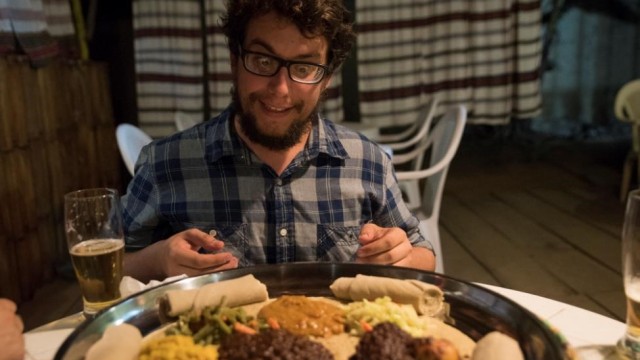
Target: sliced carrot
[[366, 327], [244, 329], [273, 323]]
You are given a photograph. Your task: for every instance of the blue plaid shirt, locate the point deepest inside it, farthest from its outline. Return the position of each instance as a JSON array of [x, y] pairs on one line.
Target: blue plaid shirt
[[205, 177]]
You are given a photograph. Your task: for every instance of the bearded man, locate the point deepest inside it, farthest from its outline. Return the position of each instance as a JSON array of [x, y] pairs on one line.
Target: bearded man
[[269, 180]]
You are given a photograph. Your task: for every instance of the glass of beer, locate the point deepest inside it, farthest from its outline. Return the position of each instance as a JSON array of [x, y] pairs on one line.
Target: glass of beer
[[93, 226], [629, 345]]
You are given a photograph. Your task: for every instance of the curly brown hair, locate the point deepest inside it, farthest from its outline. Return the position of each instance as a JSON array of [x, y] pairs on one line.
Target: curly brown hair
[[328, 18]]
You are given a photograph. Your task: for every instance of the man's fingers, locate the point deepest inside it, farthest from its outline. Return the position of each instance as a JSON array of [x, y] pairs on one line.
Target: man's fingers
[[198, 237], [388, 246], [369, 232], [204, 268], [196, 260]]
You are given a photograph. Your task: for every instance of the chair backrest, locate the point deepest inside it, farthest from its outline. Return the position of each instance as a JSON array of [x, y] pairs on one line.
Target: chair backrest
[[184, 121], [131, 139], [627, 104], [424, 119], [442, 143], [410, 132]]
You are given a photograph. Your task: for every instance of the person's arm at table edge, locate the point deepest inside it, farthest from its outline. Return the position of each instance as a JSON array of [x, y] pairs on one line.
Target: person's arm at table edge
[[143, 264]]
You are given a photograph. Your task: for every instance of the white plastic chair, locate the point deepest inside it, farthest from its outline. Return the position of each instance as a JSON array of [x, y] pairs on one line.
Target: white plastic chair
[[441, 144], [404, 152], [183, 121], [416, 132], [131, 139], [627, 109]]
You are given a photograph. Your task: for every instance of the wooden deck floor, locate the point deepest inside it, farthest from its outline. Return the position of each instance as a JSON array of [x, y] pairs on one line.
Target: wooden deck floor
[[540, 216]]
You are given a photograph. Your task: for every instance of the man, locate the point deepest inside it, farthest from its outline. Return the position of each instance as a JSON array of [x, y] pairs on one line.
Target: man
[[268, 180]]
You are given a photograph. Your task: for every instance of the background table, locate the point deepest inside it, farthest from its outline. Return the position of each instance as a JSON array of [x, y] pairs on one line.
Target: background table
[[594, 336]]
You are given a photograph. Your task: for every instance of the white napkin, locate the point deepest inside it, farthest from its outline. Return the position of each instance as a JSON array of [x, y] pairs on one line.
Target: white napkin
[[119, 342], [130, 286], [43, 345]]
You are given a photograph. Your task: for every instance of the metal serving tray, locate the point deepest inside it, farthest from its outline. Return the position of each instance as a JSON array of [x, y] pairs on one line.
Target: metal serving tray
[[473, 309]]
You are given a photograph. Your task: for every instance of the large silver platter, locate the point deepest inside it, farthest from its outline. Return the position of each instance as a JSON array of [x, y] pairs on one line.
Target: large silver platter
[[474, 310]]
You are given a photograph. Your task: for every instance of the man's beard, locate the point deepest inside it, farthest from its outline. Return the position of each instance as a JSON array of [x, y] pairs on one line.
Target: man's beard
[[298, 128]]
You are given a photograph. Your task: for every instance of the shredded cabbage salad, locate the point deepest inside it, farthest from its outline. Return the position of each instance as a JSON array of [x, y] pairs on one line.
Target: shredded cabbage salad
[[364, 314]]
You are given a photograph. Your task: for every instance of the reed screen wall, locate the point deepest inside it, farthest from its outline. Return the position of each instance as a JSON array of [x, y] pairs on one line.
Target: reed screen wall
[[56, 135]]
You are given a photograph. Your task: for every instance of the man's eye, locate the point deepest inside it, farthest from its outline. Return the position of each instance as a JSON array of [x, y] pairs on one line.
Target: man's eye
[[264, 62], [303, 70]]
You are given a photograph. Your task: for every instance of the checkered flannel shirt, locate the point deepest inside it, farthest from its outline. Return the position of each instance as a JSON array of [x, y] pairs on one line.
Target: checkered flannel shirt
[[206, 178]]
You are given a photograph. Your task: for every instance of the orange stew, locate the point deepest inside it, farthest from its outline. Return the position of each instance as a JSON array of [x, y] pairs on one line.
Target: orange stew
[[303, 316]]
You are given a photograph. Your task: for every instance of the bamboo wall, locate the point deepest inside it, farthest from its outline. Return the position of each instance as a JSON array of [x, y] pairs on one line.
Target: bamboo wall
[[57, 134]]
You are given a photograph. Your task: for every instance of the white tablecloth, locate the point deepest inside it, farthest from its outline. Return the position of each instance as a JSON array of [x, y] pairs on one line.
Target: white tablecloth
[[594, 336]]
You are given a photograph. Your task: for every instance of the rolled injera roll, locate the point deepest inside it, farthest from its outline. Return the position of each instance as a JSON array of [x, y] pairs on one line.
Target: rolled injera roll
[[235, 292], [496, 345], [427, 299]]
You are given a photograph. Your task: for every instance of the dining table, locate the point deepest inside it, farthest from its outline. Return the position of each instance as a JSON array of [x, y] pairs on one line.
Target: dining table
[[592, 335]]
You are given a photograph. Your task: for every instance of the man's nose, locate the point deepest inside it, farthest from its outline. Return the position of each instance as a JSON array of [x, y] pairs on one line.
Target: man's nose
[[280, 80]]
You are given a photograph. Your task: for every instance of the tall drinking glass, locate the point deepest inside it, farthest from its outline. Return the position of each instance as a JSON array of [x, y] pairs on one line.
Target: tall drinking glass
[[93, 225], [629, 345]]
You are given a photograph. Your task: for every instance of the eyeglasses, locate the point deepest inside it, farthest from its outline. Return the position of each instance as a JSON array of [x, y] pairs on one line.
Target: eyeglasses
[[267, 65]]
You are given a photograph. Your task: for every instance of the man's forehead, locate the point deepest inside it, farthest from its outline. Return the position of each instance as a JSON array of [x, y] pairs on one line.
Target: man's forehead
[[273, 31]]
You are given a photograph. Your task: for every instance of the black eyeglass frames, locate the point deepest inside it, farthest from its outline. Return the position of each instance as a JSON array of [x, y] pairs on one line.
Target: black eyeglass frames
[[268, 65]]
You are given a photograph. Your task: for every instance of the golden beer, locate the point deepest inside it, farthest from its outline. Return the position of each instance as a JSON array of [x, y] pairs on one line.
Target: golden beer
[[98, 267]]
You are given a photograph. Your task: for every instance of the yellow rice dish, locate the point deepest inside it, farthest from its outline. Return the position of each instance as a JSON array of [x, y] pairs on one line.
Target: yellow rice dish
[[178, 347]]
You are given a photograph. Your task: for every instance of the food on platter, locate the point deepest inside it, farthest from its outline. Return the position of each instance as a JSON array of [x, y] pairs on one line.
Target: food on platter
[[176, 347], [235, 292], [496, 345], [272, 344], [427, 299], [389, 341], [362, 316], [228, 326], [304, 316]]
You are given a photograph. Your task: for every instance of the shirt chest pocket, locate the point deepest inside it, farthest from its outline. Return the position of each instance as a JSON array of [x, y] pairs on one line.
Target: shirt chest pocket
[[337, 243]]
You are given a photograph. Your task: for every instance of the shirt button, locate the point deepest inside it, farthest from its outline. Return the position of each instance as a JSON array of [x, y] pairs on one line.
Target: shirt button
[[278, 182], [283, 232], [213, 233]]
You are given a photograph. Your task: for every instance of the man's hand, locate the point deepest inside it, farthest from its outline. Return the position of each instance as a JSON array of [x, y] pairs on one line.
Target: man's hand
[[391, 246], [179, 255]]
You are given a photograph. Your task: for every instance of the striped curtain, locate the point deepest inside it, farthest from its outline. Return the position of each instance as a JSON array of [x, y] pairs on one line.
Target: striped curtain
[[40, 29], [168, 62], [482, 53]]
